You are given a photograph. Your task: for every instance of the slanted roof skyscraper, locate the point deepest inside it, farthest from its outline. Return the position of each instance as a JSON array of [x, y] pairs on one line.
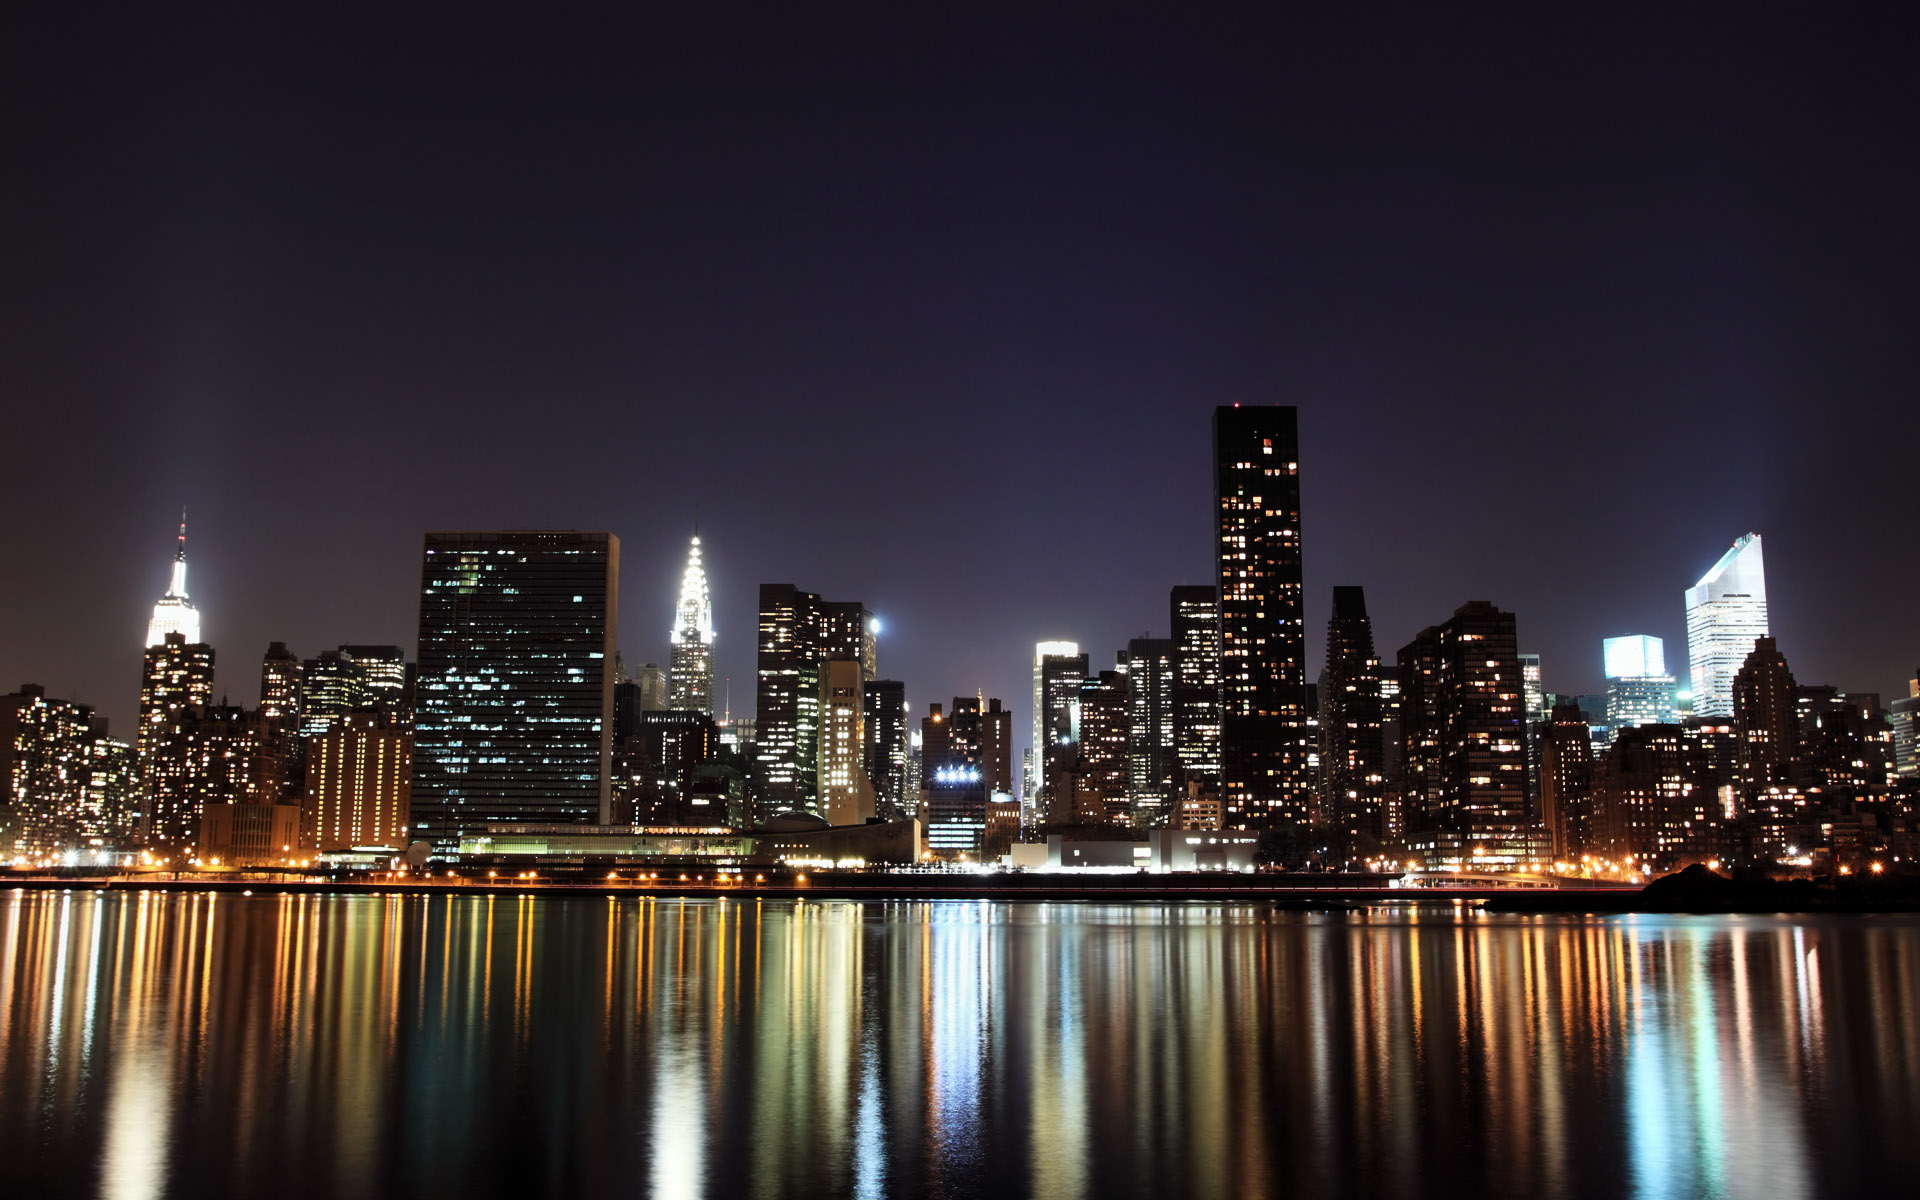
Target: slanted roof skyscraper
[[1726, 614]]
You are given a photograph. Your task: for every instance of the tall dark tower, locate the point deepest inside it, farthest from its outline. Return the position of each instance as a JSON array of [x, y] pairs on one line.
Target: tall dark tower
[[1264, 773], [1352, 755], [513, 720]]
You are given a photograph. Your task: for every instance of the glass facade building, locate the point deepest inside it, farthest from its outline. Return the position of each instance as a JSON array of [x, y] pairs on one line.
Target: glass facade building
[[1041, 652], [1726, 614], [513, 715], [1639, 690]]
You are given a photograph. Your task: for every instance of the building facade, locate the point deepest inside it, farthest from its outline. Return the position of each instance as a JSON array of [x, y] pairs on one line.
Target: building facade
[[1264, 751], [799, 635], [884, 705], [847, 796], [1352, 756], [513, 713], [1194, 614], [1726, 612], [1152, 672], [359, 785]]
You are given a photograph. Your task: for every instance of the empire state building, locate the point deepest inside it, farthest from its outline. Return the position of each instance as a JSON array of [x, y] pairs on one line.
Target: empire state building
[[174, 613]]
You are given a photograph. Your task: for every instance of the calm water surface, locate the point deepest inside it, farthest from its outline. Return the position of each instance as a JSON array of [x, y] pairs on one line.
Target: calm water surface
[[468, 1047]]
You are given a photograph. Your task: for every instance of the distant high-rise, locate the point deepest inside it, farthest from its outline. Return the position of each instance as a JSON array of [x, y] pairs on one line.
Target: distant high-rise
[[1905, 714], [690, 658], [650, 688], [799, 634], [885, 753], [1566, 782], [1041, 735], [1060, 679], [1462, 716], [44, 762], [1726, 612], [1195, 622], [174, 613], [846, 794], [359, 778], [1765, 716], [996, 747], [1639, 690], [280, 684], [1151, 675], [1352, 771], [513, 716], [1104, 792], [216, 754], [1264, 752], [177, 675], [334, 684], [386, 680]]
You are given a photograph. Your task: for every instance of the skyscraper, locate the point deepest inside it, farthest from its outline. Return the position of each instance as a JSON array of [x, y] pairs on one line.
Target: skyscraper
[[333, 685], [799, 634], [177, 675], [1639, 690], [996, 747], [1462, 715], [1765, 715], [1041, 652], [1151, 675], [1566, 782], [513, 719], [1264, 755], [358, 786], [1726, 611], [1059, 708], [280, 684], [690, 654], [174, 613], [1104, 794], [885, 707], [1352, 771], [1195, 622], [44, 761], [847, 796], [1905, 714]]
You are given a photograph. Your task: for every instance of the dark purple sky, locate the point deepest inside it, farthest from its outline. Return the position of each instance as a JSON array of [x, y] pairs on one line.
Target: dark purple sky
[[932, 312]]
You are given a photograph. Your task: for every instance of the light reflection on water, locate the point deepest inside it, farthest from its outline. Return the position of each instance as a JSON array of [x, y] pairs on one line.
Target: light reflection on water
[[469, 1046]]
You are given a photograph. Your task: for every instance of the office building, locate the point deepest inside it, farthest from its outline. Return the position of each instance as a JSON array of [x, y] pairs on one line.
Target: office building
[[177, 675], [1905, 715], [1152, 672], [334, 685], [1726, 612], [799, 634], [44, 765], [113, 789], [1060, 678], [1102, 778], [359, 779], [281, 676], [1765, 716], [1265, 771], [690, 647], [174, 613], [658, 766], [996, 747], [1650, 807], [884, 703], [1462, 715], [1566, 783], [1352, 756], [1043, 735], [386, 680], [956, 812], [215, 754], [650, 688], [513, 709], [847, 795], [1639, 689], [1195, 624]]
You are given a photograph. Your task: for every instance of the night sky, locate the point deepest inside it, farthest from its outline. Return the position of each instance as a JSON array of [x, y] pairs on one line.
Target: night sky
[[932, 312]]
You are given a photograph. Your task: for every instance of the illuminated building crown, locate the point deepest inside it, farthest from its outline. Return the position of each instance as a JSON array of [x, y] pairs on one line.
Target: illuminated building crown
[[174, 613], [695, 621]]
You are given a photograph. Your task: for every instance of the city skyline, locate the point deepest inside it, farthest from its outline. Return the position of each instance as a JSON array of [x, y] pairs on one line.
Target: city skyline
[[1679, 315]]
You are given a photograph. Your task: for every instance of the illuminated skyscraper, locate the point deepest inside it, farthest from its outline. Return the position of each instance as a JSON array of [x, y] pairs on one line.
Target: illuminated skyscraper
[[1726, 612], [1265, 768], [799, 634], [280, 684], [1041, 652], [884, 705], [174, 613], [44, 766], [690, 654], [177, 675], [1765, 715], [513, 714], [1463, 713], [1639, 690], [1059, 707], [846, 794], [1151, 673], [1905, 714], [359, 778], [333, 685], [1195, 622], [1104, 793]]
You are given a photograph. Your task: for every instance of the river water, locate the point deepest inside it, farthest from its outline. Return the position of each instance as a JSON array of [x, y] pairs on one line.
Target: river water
[[280, 1046]]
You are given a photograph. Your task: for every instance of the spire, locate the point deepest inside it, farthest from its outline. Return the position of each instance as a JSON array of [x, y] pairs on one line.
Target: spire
[[694, 622], [175, 613]]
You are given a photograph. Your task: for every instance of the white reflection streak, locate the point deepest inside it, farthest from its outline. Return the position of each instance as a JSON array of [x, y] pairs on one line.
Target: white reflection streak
[[869, 1142], [679, 1124], [134, 1163]]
